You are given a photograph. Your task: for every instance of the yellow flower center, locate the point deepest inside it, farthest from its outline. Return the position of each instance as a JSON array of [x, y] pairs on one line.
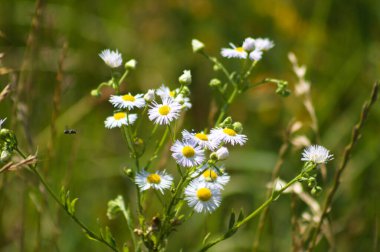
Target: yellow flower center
[[188, 151], [204, 194], [154, 178], [210, 175], [164, 110], [128, 97], [229, 132], [172, 93], [119, 115], [201, 136], [239, 49]]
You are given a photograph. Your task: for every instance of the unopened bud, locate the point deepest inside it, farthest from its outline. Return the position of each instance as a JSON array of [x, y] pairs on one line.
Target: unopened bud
[[149, 96], [185, 91], [216, 67], [185, 78], [130, 64], [222, 153], [238, 127], [215, 83], [197, 45], [128, 172], [95, 92]]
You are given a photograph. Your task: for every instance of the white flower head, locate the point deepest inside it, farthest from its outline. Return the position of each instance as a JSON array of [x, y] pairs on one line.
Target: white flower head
[[128, 101], [187, 154], [112, 58], [228, 136], [256, 55], [159, 180], [201, 139], [213, 177], [263, 44], [222, 153], [2, 122], [149, 96], [234, 52], [119, 119], [165, 112], [202, 197], [249, 44], [316, 154]]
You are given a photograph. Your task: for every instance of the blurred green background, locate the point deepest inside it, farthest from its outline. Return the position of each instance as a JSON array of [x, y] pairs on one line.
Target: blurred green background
[[339, 41]]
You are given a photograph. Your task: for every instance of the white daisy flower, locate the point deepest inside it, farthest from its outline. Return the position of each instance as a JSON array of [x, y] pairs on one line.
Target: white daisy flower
[[234, 52], [316, 154], [119, 119], [201, 139], [227, 135], [187, 154], [202, 197], [111, 58], [256, 55], [164, 113], [249, 44], [263, 44], [159, 180], [213, 177], [128, 101]]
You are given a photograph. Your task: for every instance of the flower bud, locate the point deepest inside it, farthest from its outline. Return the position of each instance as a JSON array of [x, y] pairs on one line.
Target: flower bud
[[95, 92], [130, 64], [128, 171], [222, 153], [197, 45], [215, 83], [238, 127], [149, 96], [185, 78], [213, 157], [216, 67]]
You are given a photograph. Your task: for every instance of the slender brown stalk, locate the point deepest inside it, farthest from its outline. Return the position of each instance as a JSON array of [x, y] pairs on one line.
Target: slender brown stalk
[[20, 107], [356, 131], [280, 161]]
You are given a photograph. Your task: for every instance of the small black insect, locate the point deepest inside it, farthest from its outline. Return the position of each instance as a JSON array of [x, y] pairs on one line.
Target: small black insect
[[69, 131]]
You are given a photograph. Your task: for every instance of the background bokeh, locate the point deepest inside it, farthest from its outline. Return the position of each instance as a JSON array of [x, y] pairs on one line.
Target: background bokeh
[[339, 42]]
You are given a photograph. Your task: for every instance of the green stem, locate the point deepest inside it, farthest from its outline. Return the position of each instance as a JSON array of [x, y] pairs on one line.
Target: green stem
[[263, 206], [128, 218], [73, 217], [224, 109], [123, 77], [220, 65], [158, 147]]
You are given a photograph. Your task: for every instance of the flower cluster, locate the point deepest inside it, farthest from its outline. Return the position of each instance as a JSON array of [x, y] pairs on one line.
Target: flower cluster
[[252, 48]]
